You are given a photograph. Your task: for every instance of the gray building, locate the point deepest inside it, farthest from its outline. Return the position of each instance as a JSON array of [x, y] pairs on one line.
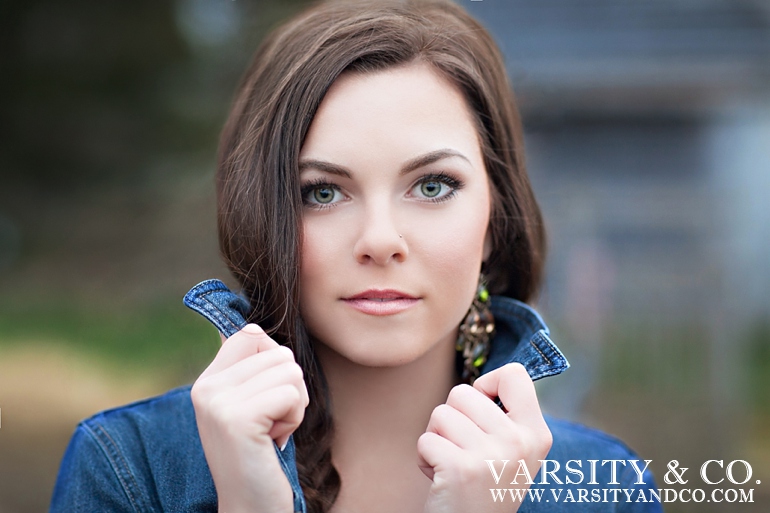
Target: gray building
[[648, 142], [648, 139]]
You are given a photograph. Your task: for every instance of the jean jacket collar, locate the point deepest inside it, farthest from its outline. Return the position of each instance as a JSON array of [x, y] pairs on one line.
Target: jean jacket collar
[[521, 336]]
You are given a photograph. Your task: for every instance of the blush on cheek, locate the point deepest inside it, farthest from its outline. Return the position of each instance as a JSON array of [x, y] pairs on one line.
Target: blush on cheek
[[320, 245], [456, 261], [315, 262], [459, 242]]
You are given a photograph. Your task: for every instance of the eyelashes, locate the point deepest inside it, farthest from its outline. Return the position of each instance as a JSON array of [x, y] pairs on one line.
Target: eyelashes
[[448, 186], [320, 193]]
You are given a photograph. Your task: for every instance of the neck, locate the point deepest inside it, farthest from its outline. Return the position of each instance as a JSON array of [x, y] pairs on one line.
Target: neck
[[381, 398], [380, 412]]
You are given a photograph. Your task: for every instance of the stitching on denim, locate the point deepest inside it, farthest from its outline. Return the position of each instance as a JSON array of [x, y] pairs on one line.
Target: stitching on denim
[[120, 454], [532, 343], [214, 305], [285, 468], [108, 450]]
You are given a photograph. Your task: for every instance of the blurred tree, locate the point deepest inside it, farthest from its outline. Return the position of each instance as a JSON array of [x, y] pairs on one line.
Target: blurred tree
[[91, 90], [80, 103], [109, 121]]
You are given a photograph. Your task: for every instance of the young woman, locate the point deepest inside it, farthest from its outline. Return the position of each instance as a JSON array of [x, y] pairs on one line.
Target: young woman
[[372, 194]]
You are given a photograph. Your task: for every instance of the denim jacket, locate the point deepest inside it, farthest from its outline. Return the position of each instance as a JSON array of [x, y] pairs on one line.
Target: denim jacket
[[147, 456]]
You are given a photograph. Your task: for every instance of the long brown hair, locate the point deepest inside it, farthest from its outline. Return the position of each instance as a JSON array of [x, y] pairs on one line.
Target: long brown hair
[[258, 191]]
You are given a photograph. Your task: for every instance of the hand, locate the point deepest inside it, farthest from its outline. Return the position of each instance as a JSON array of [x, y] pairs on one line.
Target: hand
[[469, 429], [251, 394]]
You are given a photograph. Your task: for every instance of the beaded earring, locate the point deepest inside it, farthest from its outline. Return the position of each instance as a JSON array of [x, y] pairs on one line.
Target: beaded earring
[[475, 332]]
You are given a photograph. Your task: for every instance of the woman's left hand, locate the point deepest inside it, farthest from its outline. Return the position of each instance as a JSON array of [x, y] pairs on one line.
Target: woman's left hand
[[471, 429]]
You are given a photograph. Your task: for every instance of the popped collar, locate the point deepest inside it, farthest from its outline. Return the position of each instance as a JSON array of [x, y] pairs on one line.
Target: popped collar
[[521, 336], [147, 456]]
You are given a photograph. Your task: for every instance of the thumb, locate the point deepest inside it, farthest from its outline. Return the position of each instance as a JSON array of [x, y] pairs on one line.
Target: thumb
[[248, 341]]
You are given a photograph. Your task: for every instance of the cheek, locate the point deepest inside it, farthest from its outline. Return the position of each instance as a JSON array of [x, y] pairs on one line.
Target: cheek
[[319, 253], [315, 271], [453, 248], [455, 241]]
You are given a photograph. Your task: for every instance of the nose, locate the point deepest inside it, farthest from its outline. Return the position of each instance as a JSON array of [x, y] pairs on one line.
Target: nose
[[379, 240]]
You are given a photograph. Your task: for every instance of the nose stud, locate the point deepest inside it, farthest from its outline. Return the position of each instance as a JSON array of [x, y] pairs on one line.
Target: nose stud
[[400, 236]]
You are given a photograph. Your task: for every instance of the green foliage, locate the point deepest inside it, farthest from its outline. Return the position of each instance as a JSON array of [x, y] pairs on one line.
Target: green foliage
[[663, 359], [162, 337], [758, 366]]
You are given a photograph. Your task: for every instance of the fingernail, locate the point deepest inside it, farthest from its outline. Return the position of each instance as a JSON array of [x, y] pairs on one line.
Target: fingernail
[[252, 328], [284, 445]]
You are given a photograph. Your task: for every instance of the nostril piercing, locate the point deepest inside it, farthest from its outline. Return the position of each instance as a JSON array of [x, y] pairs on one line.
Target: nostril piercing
[[400, 236]]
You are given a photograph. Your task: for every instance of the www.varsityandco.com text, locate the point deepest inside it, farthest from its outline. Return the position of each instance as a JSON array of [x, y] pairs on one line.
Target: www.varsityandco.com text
[[612, 481]]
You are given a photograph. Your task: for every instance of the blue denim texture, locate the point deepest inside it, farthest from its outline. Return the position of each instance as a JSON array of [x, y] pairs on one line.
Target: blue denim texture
[[147, 456]]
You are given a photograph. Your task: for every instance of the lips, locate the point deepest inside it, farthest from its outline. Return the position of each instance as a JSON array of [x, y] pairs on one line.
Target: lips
[[381, 302]]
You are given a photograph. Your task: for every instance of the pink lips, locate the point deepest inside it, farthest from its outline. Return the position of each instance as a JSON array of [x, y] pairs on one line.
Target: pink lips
[[381, 302]]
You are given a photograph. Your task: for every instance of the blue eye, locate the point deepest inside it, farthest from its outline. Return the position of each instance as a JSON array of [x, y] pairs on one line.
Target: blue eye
[[431, 189], [323, 194], [320, 194], [436, 187]]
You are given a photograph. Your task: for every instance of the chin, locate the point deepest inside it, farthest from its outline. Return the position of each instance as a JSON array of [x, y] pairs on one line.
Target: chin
[[379, 351]]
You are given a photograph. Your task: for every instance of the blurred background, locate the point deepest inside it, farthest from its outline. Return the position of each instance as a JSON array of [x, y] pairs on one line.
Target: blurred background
[[648, 142]]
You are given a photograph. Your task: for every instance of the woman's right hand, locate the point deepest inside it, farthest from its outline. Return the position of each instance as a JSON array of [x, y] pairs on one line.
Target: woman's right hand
[[251, 394]]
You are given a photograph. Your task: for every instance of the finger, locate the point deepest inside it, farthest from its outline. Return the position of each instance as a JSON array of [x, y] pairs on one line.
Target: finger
[[288, 373], [516, 391], [449, 423], [478, 407], [435, 451], [251, 366], [279, 407], [283, 428], [246, 342], [294, 375]]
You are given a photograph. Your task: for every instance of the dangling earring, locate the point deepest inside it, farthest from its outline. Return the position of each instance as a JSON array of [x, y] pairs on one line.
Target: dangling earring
[[475, 332]]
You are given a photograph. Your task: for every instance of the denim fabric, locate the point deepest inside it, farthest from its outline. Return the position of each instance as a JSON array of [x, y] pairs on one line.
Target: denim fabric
[[147, 456], [522, 336], [214, 301]]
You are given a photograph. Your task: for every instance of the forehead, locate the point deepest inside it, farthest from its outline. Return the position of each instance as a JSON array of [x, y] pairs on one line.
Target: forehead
[[411, 107]]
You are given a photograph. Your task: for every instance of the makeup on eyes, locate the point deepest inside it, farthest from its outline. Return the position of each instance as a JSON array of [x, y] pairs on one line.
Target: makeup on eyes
[[317, 184], [445, 179]]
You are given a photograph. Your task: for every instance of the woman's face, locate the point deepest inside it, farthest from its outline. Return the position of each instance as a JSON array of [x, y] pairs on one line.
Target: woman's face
[[396, 210]]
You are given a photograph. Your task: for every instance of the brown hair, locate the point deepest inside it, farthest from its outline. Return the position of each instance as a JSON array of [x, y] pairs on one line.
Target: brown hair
[[258, 192]]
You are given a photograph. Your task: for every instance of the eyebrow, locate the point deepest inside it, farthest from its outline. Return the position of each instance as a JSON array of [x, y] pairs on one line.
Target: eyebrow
[[408, 167]]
